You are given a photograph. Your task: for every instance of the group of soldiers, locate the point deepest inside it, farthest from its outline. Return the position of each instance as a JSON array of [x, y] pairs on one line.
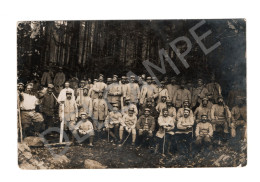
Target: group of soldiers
[[165, 117]]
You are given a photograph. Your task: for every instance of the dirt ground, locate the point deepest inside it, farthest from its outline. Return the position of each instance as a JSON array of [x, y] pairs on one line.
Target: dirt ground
[[113, 156]]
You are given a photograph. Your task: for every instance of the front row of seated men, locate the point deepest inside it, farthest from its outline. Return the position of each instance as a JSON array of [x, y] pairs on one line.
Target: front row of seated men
[[166, 138]]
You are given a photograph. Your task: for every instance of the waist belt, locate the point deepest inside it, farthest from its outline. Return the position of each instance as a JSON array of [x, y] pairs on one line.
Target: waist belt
[[28, 110]]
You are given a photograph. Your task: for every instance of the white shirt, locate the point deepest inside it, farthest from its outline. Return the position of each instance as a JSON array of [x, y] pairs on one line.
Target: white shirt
[[29, 102]]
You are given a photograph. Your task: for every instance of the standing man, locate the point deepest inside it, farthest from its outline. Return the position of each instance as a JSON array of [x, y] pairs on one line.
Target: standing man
[[181, 95], [124, 90], [161, 105], [84, 102], [202, 109], [100, 112], [148, 91], [180, 112], [128, 105], [79, 91], [99, 87], [200, 92], [46, 77], [30, 119], [145, 126], [150, 105], [63, 92], [238, 117], [70, 112], [48, 106], [59, 80], [133, 91], [172, 87], [109, 86], [115, 91], [221, 115], [128, 124], [214, 90], [162, 92]]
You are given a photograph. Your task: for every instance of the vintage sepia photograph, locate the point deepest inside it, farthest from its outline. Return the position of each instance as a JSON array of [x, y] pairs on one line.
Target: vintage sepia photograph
[[102, 94]]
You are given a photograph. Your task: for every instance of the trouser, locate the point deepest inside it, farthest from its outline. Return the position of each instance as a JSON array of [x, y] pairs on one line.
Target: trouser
[[222, 122], [32, 122], [49, 121], [184, 141], [98, 124], [145, 138], [234, 125], [121, 132], [115, 133], [83, 137], [169, 144]]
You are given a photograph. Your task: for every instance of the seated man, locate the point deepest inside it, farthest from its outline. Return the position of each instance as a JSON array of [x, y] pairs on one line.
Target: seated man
[[145, 126], [204, 132], [84, 129], [184, 125], [112, 122], [165, 133], [238, 117], [128, 124]]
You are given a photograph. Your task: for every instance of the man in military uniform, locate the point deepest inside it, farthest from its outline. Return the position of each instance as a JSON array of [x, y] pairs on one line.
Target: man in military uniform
[[100, 112], [161, 105], [133, 91], [214, 90], [149, 104], [84, 129], [112, 122], [63, 92], [98, 87], [128, 105], [48, 106], [181, 95], [124, 90], [203, 108], [198, 93], [109, 86], [220, 116], [148, 91], [180, 112], [128, 124], [79, 92], [115, 91], [204, 132], [185, 130], [172, 88], [70, 112], [165, 133], [84, 102], [59, 80], [238, 117], [145, 127], [162, 92]]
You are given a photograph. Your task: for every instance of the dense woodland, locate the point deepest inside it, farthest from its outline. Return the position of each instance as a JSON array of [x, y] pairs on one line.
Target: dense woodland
[[87, 48]]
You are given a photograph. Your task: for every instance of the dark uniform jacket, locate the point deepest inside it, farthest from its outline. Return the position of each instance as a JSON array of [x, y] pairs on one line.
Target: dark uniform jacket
[[141, 122]]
